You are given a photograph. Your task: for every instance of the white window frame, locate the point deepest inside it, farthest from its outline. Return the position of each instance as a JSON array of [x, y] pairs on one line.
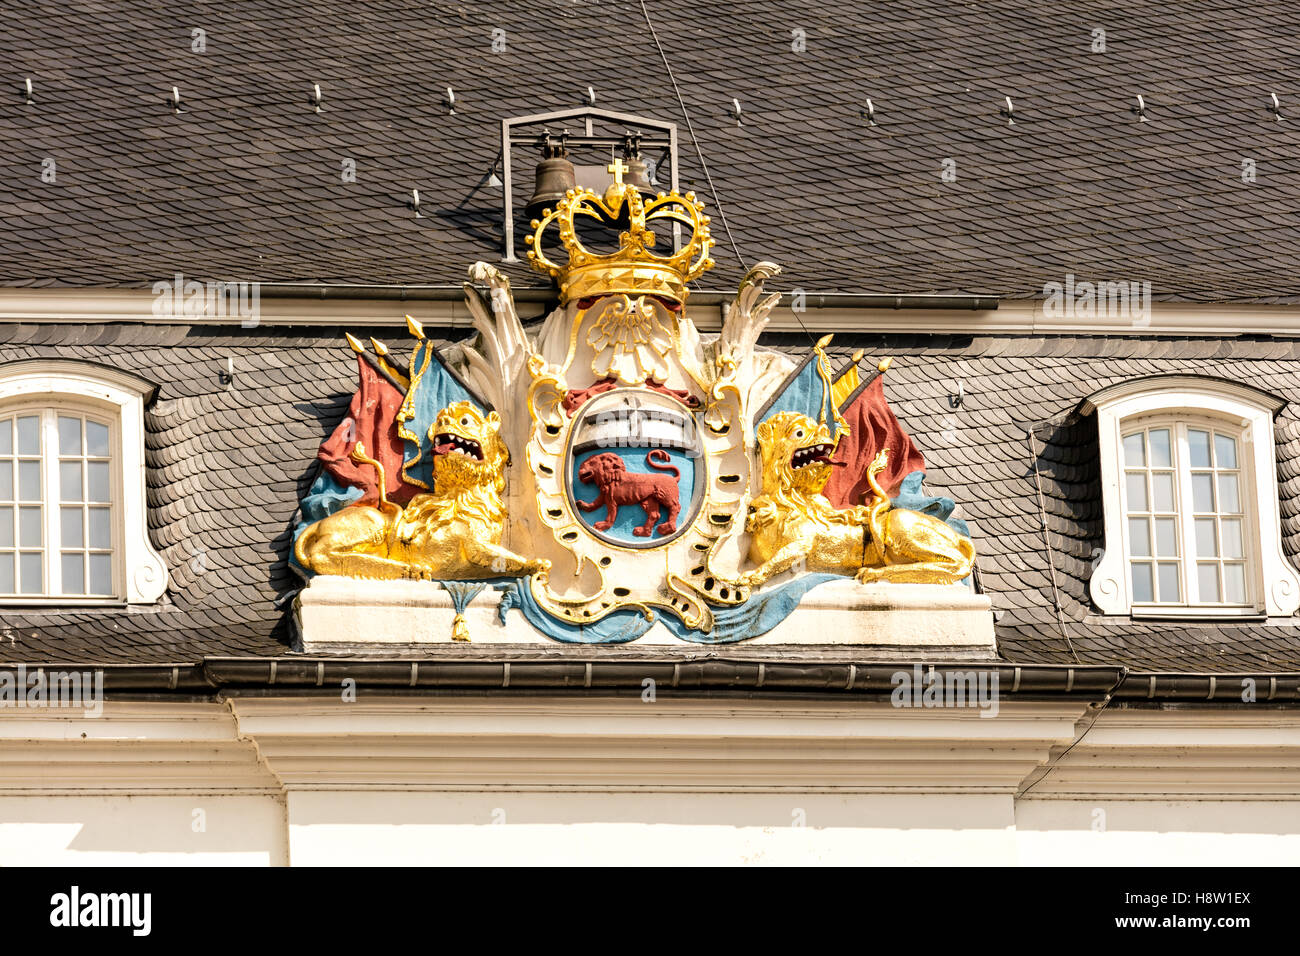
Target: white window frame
[[1273, 586], [100, 391]]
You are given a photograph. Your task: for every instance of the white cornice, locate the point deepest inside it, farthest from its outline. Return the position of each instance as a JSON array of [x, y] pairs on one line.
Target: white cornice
[[699, 746], [131, 748], [251, 746], [136, 305], [1162, 755], [1012, 317]]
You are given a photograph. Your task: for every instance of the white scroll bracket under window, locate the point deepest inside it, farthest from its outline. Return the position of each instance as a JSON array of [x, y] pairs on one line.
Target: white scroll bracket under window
[[1191, 511], [73, 527]]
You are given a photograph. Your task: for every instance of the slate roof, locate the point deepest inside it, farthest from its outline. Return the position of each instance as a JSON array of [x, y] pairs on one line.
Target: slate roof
[[226, 467], [981, 455], [245, 182]]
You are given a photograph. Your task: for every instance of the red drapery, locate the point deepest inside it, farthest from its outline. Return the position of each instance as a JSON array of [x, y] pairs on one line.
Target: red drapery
[[873, 426], [372, 421]]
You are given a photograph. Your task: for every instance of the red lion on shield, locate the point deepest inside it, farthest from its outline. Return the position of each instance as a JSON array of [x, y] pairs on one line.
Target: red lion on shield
[[618, 486]]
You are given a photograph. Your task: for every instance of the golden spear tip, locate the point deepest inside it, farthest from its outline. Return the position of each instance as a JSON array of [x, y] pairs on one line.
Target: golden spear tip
[[825, 340], [884, 364], [379, 347], [857, 356], [414, 327], [354, 342]]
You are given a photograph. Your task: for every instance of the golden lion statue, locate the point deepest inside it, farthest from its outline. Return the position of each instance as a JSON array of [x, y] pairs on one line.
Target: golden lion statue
[[451, 533], [792, 524]]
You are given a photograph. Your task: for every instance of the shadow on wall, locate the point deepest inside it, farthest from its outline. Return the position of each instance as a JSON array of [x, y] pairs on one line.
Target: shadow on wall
[[283, 580], [1068, 470], [207, 829]]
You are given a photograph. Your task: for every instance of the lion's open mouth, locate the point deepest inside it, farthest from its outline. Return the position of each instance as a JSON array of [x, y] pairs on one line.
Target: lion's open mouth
[[811, 454], [450, 444]]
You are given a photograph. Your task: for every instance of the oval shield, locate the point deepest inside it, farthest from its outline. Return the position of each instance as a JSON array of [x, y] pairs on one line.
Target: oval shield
[[634, 469]]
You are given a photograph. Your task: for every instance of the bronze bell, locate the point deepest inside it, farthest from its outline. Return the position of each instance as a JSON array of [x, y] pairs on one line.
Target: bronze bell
[[638, 175], [638, 171], [555, 177]]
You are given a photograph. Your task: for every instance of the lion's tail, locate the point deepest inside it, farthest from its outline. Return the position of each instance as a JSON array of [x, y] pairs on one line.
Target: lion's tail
[[654, 462], [359, 455]]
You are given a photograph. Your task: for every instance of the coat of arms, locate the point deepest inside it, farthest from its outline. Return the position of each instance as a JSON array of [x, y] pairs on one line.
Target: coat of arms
[[613, 467]]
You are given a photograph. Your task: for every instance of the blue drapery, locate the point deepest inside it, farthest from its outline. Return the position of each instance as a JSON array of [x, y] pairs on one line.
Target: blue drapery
[[758, 615], [806, 391], [433, 388]]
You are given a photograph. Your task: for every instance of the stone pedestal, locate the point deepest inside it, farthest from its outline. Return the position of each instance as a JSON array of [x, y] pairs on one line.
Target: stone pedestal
[[345, 615]]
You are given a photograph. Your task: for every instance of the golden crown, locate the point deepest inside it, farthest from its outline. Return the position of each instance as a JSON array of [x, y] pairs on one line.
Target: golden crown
[[633, 269]]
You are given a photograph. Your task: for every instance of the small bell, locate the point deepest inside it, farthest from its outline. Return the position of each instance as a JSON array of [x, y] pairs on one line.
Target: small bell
[[554, 177], [638, 175], [638, 170]]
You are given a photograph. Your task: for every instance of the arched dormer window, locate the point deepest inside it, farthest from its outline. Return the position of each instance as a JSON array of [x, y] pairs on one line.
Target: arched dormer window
[[72, 486], [1189, 486]]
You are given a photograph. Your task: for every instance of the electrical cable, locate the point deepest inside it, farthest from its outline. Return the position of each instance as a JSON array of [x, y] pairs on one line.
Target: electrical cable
[[691, 129]]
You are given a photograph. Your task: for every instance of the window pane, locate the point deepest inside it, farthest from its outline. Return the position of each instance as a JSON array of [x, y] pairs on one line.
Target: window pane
[[1198, 445], [70, 528], [1168, 582], [29, 527], [7, 437], [1142, 583], [1231, 532], [70, 481], [29, 480], [1234, 583], [1207, 580], [100, 534], [1137, 491], [1162, 491], [6, 529], [1207, 545], [74, 574], [1228, 501], [29, 435], [1139, 535], [1134, 455], [1202, 493], [7, 573], [1160, 456], [29, 573], [101, 574], [1225, 451], [6, 480], [96, 439], [97, 480], [69, 436], [1166, 538]]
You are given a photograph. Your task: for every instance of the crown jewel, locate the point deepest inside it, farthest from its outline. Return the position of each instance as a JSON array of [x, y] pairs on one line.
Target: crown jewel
[[633, 269]]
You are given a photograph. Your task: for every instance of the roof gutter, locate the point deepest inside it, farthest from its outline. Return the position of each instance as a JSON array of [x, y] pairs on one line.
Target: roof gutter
[[547, 294], [690, 675]]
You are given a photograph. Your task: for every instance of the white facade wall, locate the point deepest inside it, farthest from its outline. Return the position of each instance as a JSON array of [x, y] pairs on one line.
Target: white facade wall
[[508, 781]]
